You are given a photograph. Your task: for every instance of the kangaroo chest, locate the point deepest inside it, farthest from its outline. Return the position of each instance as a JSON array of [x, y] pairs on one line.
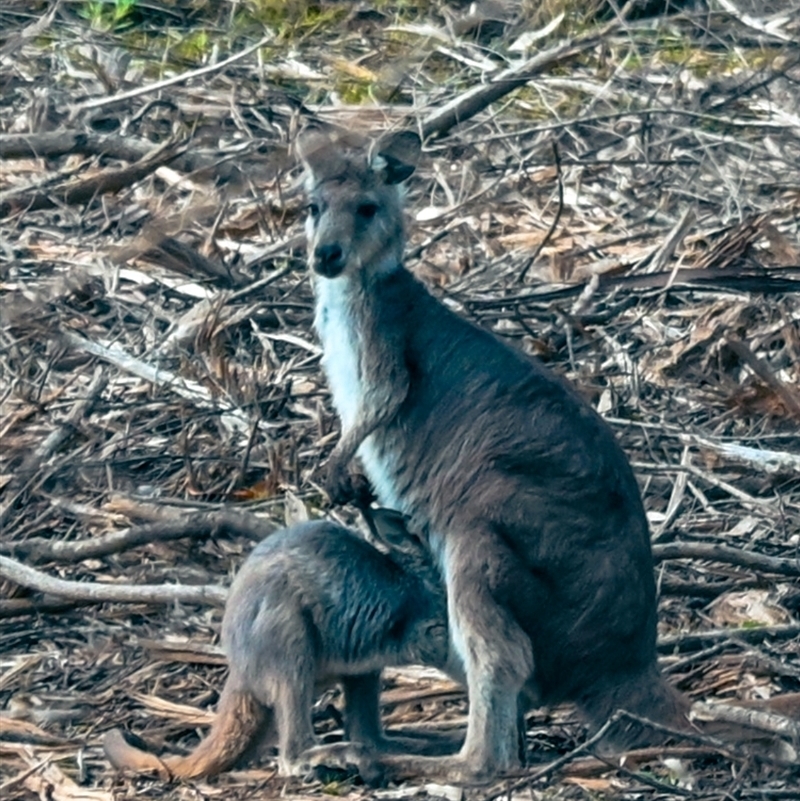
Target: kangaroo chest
[[338, 328]]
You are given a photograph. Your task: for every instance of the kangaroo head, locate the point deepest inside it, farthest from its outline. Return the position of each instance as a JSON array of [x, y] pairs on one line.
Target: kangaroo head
[[355, 216]]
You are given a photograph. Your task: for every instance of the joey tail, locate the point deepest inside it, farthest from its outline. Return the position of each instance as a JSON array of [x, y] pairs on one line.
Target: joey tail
[[239, 719]]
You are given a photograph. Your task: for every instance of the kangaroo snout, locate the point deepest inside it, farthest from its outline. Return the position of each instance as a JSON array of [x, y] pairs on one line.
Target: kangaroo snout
[[329, 260]]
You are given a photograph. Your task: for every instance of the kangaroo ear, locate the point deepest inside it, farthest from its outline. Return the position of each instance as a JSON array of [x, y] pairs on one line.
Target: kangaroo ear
[[398, 154], [390, 526], [313, 147]]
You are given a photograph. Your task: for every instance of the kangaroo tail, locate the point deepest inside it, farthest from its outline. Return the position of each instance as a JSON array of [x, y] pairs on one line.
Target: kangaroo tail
[[239, 719], [647, 696]]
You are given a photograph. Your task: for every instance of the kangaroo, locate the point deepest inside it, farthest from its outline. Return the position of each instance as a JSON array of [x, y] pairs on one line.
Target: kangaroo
[[314, 604], [521, 491]]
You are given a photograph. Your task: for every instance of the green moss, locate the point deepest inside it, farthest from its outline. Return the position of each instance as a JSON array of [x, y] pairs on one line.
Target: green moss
[[108, 15], [292, 19], [194, 46]]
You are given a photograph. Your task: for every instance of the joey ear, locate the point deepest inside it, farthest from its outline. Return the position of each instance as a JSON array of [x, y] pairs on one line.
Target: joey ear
[[399, 153]]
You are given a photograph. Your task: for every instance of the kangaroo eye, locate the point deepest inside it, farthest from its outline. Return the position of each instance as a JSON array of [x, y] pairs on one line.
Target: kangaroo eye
[[313, 210], [367, 210]]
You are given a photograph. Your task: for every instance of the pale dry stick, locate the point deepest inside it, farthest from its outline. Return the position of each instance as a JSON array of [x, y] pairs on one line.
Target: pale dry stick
[[703, 639], [102, 102], [772, 663], [17, 39], [33, 198], [667, 248], [112, 593], [697, 656], [756, 24], [728, 555], [192, 391], [769, 461], [675, 499], [753, 718], [474, 100], [740, 495]]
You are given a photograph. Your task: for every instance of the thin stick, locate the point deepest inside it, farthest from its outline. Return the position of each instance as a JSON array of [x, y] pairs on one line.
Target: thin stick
[[195, 526], [553, 225], [114, 593], [101, 102], [723, 553]]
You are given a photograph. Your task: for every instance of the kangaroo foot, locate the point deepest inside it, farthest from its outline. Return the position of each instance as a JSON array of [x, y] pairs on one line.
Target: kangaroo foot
[[450, 769], [350, 759], [408, 741]]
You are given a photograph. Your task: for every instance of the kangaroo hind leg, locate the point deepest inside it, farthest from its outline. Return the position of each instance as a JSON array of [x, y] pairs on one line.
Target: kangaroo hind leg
[[497, 657]]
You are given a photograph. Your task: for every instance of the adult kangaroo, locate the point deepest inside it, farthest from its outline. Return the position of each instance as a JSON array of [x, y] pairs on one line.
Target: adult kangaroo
[[522, 492]]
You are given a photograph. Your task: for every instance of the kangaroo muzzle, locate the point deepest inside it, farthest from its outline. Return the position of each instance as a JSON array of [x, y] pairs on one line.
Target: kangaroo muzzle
[[329, 260]]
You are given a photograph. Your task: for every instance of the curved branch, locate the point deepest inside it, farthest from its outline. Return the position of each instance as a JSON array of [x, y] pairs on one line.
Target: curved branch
[[197, 525], [119, 593], [723, 553]]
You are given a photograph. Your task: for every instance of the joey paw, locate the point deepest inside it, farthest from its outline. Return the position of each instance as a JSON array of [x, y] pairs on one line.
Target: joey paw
[[362, 489]]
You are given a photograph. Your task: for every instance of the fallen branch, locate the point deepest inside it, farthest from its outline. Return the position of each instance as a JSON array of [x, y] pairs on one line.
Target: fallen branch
[[52, 144], [76, 192], [474, 100], [197, 525], [769, 461], [699, 589], [777, 280], [102, 102], [753, 718], [19, 607], [111, 593], [230, 416], [728, 555], [679, 643]]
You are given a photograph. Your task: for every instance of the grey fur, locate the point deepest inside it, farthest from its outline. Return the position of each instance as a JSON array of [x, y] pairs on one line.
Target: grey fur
[[520, 489], [314, 604]]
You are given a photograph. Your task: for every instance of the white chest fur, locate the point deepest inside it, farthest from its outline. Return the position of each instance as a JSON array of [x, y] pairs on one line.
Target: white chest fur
[[339, 333], [337, 330]]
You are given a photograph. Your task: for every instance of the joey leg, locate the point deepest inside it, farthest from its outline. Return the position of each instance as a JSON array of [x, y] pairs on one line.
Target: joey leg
[[362, 719], [363, 723], [293, 703]]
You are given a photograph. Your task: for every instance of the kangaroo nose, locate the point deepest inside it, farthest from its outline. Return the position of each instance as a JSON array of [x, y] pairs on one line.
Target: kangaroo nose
[[329, 259]]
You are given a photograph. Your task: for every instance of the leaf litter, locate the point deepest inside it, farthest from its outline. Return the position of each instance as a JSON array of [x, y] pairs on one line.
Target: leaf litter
[[625, 206]]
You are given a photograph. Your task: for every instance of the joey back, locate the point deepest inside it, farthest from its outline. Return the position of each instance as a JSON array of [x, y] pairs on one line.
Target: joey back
[[311, 606]]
